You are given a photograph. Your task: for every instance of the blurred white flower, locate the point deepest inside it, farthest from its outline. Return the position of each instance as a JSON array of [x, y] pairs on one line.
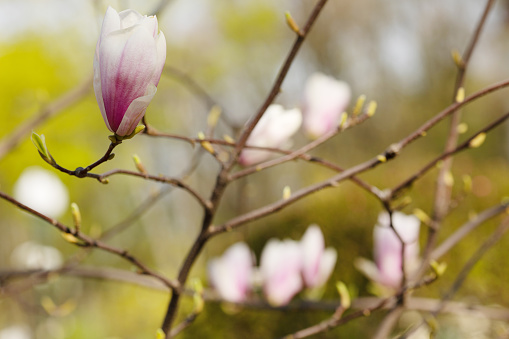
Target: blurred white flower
[[387, 251], [31, 255], [231, 274], [317, 262], [43, 191], [325, 98], [280, 268], [15, 332], [273, 130]]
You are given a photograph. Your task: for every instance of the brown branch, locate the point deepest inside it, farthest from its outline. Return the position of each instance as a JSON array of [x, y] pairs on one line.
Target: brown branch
[[443, 192], [464, 230], [82, 240], [159, 178], [276, 87], [271, 208], [465, 145], [222, 178], [474, 259]]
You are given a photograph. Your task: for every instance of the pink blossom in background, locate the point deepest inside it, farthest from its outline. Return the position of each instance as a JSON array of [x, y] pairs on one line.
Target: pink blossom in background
[[231, 274], [273, 130], [388, 248], [325, 98], [128, 63], [280, 269], [317, 262]]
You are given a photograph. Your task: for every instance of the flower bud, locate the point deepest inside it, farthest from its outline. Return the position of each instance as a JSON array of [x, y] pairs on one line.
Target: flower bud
[[273, 130], [128, 62], [325, 98]]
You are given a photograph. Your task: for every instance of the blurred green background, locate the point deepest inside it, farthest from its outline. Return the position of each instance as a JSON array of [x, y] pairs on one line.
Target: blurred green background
[[397, 53]]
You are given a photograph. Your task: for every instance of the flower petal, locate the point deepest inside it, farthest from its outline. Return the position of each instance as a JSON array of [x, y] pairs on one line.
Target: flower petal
[[280, 266], [127, 60], [231, 274], [312, 244], [135, 112]]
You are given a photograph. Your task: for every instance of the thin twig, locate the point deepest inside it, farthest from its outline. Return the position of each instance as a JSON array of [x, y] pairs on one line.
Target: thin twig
[[463, 146], [276, 87], [464, 230], [80, 239], [443, 191]]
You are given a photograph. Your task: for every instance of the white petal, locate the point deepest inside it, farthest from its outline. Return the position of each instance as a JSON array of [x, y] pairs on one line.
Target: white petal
[[280, 267], [161, 57], [98, 90], [110, 23], [129, 18], [325, 99], [312, 244], [327, 263], [231, 274]]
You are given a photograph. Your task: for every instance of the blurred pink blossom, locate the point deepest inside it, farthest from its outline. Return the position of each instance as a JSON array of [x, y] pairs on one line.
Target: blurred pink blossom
[[273, 130], [317, 262], [325, 98], [128, 62], [280, 268], [387, 269], [231, 274]]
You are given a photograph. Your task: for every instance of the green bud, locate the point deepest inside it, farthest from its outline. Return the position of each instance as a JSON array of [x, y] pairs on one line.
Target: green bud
[[76, 215], [40, 143], [344, 295]]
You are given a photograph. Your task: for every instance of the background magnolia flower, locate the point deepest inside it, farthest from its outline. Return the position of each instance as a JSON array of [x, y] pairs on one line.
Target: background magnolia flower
[[128, 62], [31, 255], [274, 130], [280, 269], [317, 262], [16, 332], [231, 274], [43, 191], [387, 249], [325, 98]]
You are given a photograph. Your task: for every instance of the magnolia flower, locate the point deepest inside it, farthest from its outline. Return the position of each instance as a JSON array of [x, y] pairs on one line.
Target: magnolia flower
[[128, 62], [387, 269], [42, 190], [274, 130], [317, 262], [231, 274], [280, 269], [16, 332], [32, 255], [325, 98]]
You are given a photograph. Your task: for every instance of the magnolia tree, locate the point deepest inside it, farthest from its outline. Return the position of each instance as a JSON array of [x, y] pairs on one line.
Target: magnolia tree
[[290, 272]]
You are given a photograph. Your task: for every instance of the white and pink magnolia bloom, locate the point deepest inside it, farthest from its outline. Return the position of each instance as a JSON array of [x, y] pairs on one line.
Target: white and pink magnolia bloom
[[128, 63], [273, 130], [231, 274], [387, 251], [325, 98], [388, 247], [280, 270], [317, 262]]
